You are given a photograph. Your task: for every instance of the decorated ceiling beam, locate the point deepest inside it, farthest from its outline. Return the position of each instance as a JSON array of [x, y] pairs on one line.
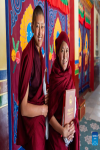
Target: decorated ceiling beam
[[60, 4], [84, 16], [87, 14], [87, 23], [81, 14], [89, 3]]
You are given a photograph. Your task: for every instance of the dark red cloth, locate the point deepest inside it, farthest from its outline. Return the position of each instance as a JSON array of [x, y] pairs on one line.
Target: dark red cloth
[[62, 37], [36, 77], [28, 126], [59, 82]]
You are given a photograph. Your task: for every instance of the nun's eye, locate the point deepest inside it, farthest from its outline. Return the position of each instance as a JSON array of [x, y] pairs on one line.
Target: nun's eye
[[62, 50], [67, 50]]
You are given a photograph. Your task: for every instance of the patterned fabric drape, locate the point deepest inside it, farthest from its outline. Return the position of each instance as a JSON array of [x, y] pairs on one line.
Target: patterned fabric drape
[[84, 49], [80, 54], [56, 22], [85, 64], [62, 5], [83, 18]]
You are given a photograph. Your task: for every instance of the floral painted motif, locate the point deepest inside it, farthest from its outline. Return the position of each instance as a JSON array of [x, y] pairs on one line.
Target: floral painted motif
[[25, 27], [16, 9], [51, 55], [57, 30], [15, 54]]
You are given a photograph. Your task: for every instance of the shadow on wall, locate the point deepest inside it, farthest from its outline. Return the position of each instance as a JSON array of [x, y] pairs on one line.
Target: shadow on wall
[[96, 72]]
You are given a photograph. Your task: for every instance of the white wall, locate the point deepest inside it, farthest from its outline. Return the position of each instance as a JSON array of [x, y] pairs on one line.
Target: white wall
[[95, 47], [99, 35], [76, 23], [3, 61]]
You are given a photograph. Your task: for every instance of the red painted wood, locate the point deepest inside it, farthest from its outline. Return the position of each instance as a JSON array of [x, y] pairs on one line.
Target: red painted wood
[[92, 51], [77, 85], [72, 37]]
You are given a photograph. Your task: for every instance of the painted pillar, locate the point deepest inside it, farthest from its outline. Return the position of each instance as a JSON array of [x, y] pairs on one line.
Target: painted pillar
[[72, 37], [74, 54], [76, 39], [92, 51]]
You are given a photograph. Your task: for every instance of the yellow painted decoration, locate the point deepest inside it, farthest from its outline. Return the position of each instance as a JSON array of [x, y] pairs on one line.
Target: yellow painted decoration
[[57, 28], [50, 56], [80, 45], [27, 18], [13, 55], [80, 61], [86, 59], [86, 43]]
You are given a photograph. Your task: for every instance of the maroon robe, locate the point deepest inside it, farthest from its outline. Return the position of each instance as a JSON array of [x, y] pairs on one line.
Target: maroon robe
[[31, 130], [59, 82]]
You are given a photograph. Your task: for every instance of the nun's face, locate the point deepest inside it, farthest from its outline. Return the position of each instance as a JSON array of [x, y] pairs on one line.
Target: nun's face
[[63, 55]]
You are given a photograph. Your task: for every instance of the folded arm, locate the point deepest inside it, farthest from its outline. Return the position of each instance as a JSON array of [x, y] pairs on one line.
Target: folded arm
[[31, 110]]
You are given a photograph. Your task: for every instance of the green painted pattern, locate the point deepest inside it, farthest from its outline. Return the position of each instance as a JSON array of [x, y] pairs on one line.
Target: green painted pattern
[[81, 13], [3, 100], [76, 71], [65, 2], [87, 20]]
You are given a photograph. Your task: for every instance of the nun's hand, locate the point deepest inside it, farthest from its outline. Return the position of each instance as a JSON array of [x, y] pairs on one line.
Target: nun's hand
[[68, 131], [47, 97], [44, 110], [71, 131], [65, 131]]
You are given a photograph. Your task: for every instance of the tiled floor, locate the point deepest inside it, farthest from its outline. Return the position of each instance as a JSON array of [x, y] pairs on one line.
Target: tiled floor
[[4, 136], [93, 104]]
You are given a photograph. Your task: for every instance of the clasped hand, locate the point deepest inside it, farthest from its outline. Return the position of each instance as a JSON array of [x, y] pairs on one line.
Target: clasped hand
[[68, 131]]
